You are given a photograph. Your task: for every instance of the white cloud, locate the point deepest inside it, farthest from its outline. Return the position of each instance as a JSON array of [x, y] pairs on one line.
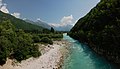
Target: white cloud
[[16, 14], [3, 7], [66, 20]]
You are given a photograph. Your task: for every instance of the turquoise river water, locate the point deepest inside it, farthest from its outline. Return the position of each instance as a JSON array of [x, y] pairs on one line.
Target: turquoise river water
[[82, 57]]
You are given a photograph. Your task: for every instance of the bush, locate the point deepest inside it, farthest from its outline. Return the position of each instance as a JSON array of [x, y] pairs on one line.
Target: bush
[[4, 51], [34, 51], [51, 35], [44, 35], [36, 38], [46, 40], [56, 35]]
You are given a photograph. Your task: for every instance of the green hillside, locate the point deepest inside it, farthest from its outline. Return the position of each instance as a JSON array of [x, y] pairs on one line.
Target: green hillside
[[18, 23], [100, 29]]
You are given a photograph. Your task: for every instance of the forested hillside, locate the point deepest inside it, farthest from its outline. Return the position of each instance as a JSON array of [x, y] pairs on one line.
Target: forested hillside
[[100, 29], [18, 23]]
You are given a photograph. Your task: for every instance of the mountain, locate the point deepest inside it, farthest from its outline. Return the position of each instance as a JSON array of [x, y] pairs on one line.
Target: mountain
[[39, 23], [100, 29], [62, 28], [19, 23], [48, 26]]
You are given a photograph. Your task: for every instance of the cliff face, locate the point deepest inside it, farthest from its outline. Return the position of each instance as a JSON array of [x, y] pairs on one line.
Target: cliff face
[[100, 29]]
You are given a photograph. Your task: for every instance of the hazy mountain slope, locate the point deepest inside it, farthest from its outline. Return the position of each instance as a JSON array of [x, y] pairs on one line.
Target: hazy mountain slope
[[62, 28], [100, 29], [48, 26], [39, 23]]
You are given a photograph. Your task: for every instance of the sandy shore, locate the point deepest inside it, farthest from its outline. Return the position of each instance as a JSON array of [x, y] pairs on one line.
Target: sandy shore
[[51, 58]]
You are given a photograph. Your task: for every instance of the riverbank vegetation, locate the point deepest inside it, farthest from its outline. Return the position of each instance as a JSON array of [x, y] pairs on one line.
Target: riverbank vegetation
[[19, 44], [15, 45], [100, 29]]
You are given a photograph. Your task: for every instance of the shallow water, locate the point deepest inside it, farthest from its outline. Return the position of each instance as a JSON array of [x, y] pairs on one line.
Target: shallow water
[[82, 57]]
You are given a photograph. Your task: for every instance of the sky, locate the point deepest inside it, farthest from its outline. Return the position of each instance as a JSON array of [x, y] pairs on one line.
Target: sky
[[56, 12]]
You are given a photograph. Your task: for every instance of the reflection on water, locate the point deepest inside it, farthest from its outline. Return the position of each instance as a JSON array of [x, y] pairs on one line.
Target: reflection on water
[[82, 57]]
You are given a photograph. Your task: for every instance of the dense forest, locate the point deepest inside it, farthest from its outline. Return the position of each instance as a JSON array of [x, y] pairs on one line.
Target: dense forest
[[100, 29], [18, 38]]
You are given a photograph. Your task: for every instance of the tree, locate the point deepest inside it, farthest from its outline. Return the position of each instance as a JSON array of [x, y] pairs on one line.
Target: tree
[[52, 30], [4, 49], [6, 34]]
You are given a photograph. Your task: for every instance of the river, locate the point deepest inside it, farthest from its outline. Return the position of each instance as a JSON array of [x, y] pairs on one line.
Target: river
[[82, 57]]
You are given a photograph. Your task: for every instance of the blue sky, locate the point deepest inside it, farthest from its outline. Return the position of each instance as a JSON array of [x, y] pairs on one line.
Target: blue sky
[[50, 11]]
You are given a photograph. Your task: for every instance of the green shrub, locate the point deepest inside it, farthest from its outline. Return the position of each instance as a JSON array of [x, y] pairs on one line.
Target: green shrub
[[56, 35], [34, 51], [44, 35], [4, 49], [46, 40], [36, 38], [51, 35]]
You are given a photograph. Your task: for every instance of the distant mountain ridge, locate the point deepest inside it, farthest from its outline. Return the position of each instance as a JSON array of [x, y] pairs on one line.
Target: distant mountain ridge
[[39, 23], [62, 28], [48, 26]]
